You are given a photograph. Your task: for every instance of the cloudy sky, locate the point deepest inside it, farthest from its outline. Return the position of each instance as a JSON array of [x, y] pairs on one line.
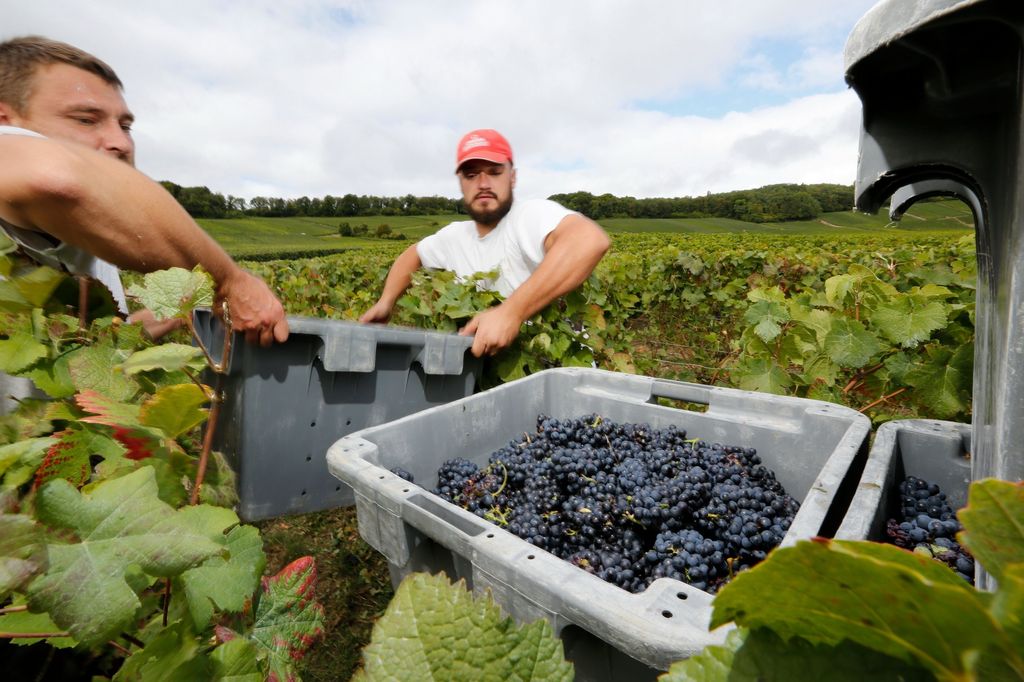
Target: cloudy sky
[[312, 97]]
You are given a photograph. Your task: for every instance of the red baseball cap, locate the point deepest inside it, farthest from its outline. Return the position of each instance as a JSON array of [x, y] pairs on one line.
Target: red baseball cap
[[485, 144]]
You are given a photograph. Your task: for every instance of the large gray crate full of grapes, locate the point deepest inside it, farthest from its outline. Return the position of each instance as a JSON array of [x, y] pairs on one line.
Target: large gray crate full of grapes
[[936, 451], [815, 448], [286, 404]]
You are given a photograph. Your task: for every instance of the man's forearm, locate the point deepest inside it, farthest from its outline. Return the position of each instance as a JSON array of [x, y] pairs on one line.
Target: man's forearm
[[571, 258], [400, 275], [103, 206]]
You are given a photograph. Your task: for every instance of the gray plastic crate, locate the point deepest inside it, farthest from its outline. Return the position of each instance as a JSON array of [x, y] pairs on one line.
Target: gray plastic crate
[[936, 451], [286, 404], [610, 634]]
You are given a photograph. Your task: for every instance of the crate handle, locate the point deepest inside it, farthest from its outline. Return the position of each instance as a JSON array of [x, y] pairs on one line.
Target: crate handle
[[427, 513], [681, 390]]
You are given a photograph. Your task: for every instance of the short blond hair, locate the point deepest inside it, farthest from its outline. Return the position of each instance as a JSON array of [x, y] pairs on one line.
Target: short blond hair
[[20, 57]]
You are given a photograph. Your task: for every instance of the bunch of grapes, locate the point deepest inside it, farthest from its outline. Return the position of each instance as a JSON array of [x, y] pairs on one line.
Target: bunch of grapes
[[928, 525], [627, 502]]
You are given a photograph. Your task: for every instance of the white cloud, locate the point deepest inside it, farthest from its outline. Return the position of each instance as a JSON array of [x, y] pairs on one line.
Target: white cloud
[[311, 98]]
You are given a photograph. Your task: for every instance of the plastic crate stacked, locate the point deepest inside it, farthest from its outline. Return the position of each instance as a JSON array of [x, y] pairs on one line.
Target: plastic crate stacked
[[815, 449], [936, 451], [286, 404]]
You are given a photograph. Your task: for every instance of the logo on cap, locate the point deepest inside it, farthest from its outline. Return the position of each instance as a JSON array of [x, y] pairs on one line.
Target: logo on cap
[[474, 141], [485, 144]]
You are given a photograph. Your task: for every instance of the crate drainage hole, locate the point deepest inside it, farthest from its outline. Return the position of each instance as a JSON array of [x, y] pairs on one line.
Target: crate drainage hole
[[530, 556], [309, 458], [667, 614], [337, 488], [490, 535], [681, 595], [303, 493], [348, 422], [312, 424]]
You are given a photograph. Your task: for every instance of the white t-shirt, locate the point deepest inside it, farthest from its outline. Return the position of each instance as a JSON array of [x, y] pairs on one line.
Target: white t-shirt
[[48, 250], [515, 247]]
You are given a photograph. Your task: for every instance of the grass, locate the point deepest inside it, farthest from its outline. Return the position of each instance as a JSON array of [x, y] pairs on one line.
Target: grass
[[252, 236], [353, 585], [931, 216]]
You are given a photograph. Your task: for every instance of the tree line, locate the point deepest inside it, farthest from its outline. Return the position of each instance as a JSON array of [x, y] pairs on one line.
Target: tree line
[[771, 203]]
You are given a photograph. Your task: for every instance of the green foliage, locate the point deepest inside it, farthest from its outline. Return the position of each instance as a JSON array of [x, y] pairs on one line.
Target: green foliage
[[95, 523], [857, 320], [433, 630], [908, 616], [865, 335], [760, 655], [560, 335]]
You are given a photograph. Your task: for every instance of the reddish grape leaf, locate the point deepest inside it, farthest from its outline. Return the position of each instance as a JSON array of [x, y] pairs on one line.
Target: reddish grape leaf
[[107, 410], [68, 458], [288, 617]]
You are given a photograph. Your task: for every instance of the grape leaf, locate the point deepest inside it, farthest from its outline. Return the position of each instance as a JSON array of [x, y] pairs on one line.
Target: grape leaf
[[11, 300], [219, 486], [37, 286], [762, 656], [943, 380], [172, 655], [107, 410], [818, 321], [167, 356], [993, 523], [838, 288], [288, 617], [849, 344], [887, 599], [236, 661], [175, 409], [22, 552], [228, 583], [93, 367], [69, 457], [120, 523], [761, 374], [908, 320], [1008, 607], [174, 292], [767, 318], [19, 351], [31, 450], [53, 378], [434, 630]]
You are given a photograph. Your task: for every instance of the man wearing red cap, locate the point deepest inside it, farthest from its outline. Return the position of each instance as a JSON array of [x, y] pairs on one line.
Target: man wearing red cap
[[540, 249]]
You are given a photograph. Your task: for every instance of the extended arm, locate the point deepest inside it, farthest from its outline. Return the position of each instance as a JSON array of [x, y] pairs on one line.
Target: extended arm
[[107, 208], [397, 281], [571, 252]]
